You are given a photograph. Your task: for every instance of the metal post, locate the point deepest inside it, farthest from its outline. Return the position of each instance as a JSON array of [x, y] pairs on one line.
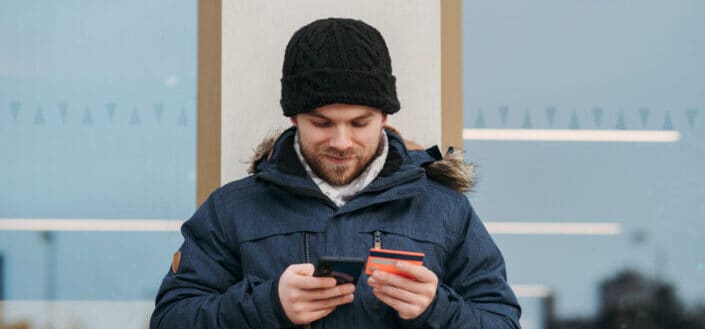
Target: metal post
[[49, 239]]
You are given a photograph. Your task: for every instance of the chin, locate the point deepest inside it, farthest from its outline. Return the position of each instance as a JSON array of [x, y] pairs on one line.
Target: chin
[[338, 181]]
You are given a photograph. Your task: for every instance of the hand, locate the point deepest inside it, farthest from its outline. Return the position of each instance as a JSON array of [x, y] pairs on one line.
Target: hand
[[306, 298], [408, 297]]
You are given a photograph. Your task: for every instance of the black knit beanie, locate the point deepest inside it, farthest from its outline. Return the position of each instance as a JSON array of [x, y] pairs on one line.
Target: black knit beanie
[[337, 60]]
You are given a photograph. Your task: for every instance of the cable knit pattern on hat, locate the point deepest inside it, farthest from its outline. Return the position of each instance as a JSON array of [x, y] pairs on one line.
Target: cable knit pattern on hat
[[337, 60]]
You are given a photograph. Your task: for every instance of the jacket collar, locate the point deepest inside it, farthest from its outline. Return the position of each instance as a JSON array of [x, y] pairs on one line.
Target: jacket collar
[[399, 173]]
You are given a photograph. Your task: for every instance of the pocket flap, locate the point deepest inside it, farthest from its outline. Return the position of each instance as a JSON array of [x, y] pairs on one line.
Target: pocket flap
[[416, 230], [267, 227]]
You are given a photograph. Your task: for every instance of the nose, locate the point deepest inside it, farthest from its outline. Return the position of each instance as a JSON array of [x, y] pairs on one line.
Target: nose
[[341, 139]]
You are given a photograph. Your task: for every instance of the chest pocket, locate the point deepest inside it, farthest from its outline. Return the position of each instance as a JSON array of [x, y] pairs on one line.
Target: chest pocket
[[405, 235], [270, 246], [417, 236]]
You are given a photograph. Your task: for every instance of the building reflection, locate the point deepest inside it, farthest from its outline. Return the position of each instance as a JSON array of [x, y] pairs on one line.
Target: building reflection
[[633, 300]]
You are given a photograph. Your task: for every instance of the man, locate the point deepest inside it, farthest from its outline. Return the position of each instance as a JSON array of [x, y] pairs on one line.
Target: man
[[337, 184]]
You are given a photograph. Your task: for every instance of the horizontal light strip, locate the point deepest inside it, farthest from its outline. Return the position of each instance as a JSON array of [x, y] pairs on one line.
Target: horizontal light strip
[[531, 290], [573, 135], [146, 225], [520, 290], [538, 228], [151, 225], [148, 302]]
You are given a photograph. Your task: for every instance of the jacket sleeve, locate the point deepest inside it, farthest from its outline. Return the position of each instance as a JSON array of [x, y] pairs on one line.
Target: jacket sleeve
[[474, 293], [207, 289]]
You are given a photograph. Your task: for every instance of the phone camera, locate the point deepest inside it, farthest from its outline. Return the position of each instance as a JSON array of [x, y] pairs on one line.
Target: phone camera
[[326, 268]]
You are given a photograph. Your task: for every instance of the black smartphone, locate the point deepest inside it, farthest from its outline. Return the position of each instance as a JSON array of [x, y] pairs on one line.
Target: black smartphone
[[343, 269]]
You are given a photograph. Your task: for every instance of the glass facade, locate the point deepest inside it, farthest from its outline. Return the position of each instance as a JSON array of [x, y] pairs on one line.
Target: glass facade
[[97, 145], [585, 118], [570, 81]]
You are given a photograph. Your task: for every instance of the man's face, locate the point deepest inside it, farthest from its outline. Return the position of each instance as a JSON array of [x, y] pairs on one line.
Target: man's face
[[339, 140]]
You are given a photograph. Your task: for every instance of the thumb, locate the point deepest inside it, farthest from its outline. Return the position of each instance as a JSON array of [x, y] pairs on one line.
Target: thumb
[[302, 269]]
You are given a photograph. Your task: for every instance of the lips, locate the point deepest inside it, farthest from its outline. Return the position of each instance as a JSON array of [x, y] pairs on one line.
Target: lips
[[336, 159]]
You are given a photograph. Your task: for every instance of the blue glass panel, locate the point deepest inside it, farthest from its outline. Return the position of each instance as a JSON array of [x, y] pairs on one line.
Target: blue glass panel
[[577, 65]]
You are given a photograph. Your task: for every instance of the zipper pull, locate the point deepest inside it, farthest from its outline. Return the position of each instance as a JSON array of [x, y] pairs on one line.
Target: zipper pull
[[378, 240]]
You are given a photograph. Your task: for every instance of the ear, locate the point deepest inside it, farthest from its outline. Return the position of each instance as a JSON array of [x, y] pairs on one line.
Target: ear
[[384, 119], [293, 120]]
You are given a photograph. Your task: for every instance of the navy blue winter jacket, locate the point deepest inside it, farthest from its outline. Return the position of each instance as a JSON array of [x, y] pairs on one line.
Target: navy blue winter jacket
[[249, 231]]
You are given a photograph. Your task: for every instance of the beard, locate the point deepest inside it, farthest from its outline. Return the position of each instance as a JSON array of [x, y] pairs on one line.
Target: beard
[[338, 174]]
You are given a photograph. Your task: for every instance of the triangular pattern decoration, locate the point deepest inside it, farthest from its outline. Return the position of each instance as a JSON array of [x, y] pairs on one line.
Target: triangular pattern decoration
[[480, 120], [158, 111], [110, 108], [87, 117], [182, 118], [597, 115], [15, 110], [39, 116], [503, 113], [667, 124], [691, 113], [135, 118], [644, 114], [63, 110], [527, 120], [551, 115], [621, 124], [574, 121]]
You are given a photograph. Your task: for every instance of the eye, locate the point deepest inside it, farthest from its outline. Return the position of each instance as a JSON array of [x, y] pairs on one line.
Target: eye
[[321, 124], [360, 124]]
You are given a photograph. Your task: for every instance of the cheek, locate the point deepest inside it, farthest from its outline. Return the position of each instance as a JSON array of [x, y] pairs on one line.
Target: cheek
[[372, 143], [312, 139], [370, 140]]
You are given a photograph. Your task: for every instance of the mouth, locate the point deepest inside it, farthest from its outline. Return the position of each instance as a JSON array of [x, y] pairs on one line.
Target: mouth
[[338, 159]]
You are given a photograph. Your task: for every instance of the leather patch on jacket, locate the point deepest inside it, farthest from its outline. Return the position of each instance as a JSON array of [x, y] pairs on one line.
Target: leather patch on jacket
[[176, 261]]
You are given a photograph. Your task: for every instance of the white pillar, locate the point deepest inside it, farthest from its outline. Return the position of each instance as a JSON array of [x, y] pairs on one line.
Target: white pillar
[[254, 37]]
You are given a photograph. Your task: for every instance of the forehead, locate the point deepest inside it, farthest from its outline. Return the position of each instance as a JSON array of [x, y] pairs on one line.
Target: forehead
[[343, 112]]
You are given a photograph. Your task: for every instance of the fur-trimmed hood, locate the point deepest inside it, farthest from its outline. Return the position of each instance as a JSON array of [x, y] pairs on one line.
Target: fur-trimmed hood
[[449, 169]]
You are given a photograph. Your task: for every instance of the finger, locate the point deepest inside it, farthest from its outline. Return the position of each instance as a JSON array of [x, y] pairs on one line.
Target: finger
[[302, 269], [313, 316], [400, 306], [339, 290], [384, 278], [403, 295], [389, 300], [318, 305], [310, 282], [421, 273]]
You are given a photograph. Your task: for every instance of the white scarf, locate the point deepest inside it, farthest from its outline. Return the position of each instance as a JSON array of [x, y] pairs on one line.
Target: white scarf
[[342, 194]]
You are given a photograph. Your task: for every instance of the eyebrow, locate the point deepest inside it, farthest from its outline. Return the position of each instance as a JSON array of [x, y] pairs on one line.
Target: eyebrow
[[361, 117]]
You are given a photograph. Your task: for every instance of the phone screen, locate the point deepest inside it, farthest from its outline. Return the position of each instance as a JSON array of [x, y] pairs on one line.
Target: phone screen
[[343, 269]]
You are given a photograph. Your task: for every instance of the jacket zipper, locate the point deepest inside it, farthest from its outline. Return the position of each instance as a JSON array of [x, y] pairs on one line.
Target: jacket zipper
[[307, 259], [307, 256], [378, 240]]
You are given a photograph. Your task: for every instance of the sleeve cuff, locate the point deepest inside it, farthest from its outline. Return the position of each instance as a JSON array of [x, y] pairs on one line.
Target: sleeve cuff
[[278, 308], [431, 317], [249, 304]]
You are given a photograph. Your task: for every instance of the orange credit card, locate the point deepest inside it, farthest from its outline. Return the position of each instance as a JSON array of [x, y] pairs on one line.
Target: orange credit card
[[384, 260]]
